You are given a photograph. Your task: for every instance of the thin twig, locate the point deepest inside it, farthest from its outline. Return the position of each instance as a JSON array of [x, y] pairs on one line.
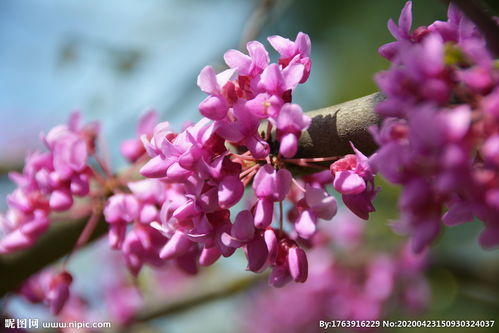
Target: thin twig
[[308, 165], [85, 235], [222, 291]]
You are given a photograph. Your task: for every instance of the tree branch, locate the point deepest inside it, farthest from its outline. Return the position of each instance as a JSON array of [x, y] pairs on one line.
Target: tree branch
[[333, 128], [464, 274], [7, 167], [58, 241], [221, 291]]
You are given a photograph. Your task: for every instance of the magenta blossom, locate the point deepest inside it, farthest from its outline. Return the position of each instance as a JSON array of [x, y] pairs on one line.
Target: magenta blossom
[[133, 149], [439, 130], [49, 182], [142, 243], [294, 52], [49, 288], [290, 123], [354, 179]]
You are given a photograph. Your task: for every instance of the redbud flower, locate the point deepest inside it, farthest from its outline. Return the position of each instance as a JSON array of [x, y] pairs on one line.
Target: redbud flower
[[438, 115], [290, 123], [251, 65], [48, 183], [316, 204], [354, 179], [133, 149], [294, 52], [58, 291], [204, 178]]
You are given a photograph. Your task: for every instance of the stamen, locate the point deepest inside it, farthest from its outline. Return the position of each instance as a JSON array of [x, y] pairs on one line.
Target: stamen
[[248, 177], [250, 169]]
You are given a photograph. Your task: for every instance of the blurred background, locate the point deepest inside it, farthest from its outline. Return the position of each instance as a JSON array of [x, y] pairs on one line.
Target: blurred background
[[114, 59]]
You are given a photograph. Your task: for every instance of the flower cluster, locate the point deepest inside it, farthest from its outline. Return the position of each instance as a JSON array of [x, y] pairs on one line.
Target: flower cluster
[[259, 91], [440, 134], [49, 182], [206, 167], [360, 289], [140, 243], [131, 210], [189, 209]]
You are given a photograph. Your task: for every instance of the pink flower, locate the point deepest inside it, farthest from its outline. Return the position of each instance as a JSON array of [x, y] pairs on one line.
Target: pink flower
[[315, 204], [400, 32], [242, 231], [215, 106], [50, 288], [294, 52], [176, 246], [133, 149], [290, 123], [298, 264], [58, 291], [142, 243], [432, 130], [272, 184], [276, 81], [48, 183], [121, 208], [291, 264], [354, 179], [251, 65]]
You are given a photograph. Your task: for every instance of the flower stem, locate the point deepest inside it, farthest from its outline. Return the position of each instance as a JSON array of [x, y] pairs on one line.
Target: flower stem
[[85, 235], [313, 159], [103, 165], [308, 165]]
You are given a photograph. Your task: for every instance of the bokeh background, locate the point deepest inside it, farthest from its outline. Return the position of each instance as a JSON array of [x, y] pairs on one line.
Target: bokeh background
[[114, 59]]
